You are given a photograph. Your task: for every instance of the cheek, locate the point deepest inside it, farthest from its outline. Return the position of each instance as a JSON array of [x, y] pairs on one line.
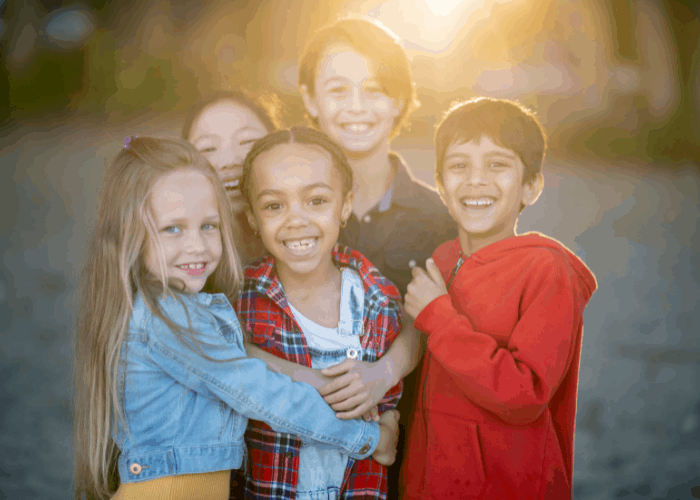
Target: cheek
[[215, 160], [216, 243], [509, 180], [450, 182], [382, 105], [328, 105]]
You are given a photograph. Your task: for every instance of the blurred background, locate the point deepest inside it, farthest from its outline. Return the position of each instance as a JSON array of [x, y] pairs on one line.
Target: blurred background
[[615, 83]]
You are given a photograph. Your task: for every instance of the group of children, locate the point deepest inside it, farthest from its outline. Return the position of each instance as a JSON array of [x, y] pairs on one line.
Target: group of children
[[169, 387]]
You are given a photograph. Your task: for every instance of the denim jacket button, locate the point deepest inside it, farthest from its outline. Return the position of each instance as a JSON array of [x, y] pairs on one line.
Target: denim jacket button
[[136, 469], [364, 449], [352, 353]]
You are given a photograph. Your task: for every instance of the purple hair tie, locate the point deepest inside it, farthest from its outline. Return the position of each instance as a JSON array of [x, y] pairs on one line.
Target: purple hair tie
[[128, 139]]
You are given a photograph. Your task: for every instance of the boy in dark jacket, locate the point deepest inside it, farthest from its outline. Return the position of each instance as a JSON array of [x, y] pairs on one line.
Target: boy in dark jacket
[[503, 315]]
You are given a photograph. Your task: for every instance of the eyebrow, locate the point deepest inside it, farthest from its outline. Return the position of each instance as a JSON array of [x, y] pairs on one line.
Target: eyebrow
[[488, 153], [334, 79], [271, 192], [244, 129], [182, 220]]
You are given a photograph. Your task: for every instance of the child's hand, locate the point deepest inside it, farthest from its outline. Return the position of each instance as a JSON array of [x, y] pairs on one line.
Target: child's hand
[[371, 415], [357, 387], [385, 453], [424, 288]]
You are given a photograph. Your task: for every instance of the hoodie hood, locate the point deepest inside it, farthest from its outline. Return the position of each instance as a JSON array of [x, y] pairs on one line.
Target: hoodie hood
[[509, 247]]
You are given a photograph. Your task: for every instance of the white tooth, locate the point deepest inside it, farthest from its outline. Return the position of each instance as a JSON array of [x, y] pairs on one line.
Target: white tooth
[[357, 127], [297, 244]]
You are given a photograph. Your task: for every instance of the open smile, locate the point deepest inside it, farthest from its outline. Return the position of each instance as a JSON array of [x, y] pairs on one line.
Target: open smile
[[232, 185], [357, 127], [479, 203], [301, 246], [194, 269]]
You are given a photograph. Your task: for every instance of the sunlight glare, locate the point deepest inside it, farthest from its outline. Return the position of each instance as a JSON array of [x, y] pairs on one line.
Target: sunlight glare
[[443, 7]]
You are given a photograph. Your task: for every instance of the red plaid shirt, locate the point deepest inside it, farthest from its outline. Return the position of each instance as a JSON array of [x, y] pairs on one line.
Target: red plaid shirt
[[273, 458]]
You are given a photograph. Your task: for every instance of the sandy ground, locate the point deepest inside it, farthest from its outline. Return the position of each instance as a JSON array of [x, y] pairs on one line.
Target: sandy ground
[[638, 427]]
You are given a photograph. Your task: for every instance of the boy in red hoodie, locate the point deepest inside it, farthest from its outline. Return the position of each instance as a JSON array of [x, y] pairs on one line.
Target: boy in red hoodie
[[503, 315]]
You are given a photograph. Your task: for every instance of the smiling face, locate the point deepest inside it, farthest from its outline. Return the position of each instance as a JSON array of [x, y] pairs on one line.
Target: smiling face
[[186, 216], [482, 186], [224, 132], [297, 203], [348, 102]]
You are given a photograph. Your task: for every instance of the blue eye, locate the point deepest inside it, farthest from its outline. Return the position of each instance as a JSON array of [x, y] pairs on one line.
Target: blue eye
[[171, 229], [207, 227]]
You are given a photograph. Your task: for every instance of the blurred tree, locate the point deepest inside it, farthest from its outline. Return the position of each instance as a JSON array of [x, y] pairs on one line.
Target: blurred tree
[[678, 139]]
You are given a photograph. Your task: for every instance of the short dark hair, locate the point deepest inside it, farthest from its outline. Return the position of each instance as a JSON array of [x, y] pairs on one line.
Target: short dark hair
[[266, 106], [374, 41], [507, 123], [296, 135]]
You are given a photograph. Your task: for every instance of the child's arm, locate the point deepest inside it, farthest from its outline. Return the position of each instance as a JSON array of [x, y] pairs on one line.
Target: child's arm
[[356, 393], [245, 384], [359, 386], [515, 382], [295, 371], [354, 388]]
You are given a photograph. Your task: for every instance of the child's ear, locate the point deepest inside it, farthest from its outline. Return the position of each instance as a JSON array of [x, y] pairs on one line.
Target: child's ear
[[251, 218], [309, 102], [398, 106], [533, 190], [347, 206]]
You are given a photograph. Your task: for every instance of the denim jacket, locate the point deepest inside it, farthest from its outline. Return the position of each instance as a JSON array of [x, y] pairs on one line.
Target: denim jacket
[[186, 414]]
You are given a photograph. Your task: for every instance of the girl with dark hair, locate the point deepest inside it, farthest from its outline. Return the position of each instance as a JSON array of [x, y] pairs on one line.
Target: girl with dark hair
[[223, 127], [312, 302]]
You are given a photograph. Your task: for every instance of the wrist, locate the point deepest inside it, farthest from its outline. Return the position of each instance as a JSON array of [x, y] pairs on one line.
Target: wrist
[[389, 374], [311, 376]]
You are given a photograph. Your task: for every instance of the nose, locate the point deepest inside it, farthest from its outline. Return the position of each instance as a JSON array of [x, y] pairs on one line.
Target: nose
[[356, 100], [225, 158], [195, 242], [297, 216], [477, 175]]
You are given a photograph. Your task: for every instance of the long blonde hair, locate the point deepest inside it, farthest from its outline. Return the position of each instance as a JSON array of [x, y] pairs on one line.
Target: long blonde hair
[[113, 273]]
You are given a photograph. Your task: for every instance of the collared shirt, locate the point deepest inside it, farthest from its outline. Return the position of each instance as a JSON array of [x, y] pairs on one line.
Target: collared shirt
[[273, 458], [403, 229]]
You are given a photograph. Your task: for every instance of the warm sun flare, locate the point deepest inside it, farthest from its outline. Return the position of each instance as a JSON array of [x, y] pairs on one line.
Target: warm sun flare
[[443, 7]]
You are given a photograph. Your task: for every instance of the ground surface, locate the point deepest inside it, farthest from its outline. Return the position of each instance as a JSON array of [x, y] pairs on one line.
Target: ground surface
[[638, 432]]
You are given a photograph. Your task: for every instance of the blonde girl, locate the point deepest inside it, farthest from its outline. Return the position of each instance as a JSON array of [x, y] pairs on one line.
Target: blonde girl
[[160, 371]]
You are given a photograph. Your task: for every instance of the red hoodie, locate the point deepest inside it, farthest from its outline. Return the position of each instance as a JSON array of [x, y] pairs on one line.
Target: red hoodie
[[494, 415]]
